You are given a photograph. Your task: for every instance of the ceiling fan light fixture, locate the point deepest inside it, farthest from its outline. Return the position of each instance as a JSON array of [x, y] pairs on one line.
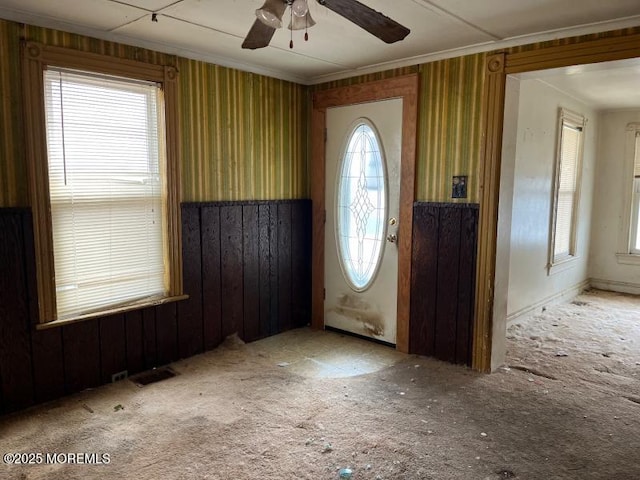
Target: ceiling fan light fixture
[[299, 8], [271, 13], [300, 23], [269, 18]]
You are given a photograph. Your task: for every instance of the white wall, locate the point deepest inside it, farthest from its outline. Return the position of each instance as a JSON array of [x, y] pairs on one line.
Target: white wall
[[530, 285], [505, 204], [608, 208]]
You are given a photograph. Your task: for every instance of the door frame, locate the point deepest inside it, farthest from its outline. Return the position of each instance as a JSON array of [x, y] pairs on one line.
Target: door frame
[[406, 88], [488, 336]]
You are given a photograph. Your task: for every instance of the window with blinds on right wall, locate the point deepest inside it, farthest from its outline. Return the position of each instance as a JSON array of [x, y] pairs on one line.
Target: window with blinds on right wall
[[634, 234], [566, 189], [629, 233]]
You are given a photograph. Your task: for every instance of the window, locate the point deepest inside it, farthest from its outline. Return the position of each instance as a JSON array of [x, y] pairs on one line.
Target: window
[[361, 207], [634, 237], [103, 182], [566, 190], [629, 235]]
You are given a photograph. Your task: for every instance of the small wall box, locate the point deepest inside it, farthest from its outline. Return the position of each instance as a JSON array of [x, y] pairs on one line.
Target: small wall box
[[459, 186]]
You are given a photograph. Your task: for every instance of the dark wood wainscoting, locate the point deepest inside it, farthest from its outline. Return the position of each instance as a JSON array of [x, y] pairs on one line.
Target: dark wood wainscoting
[[247, 269], [443, 280]]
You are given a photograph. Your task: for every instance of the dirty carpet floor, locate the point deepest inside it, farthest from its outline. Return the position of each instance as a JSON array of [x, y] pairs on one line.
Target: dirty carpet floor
[[565, 406]]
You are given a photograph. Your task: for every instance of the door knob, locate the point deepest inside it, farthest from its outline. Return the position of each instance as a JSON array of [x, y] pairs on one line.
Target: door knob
[[392, 238]]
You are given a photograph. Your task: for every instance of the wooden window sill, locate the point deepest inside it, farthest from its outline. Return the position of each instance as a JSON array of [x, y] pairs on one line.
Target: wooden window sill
[[113, 311]]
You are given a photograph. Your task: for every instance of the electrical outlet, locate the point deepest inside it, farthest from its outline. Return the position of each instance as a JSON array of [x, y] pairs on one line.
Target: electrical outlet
[[116, 377]]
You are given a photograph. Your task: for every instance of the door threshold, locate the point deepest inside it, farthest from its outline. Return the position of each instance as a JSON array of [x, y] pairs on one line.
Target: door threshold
[[357, 335]]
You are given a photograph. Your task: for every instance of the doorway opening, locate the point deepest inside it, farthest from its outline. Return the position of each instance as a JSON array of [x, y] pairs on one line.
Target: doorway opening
[[576, 316], [490, 318]]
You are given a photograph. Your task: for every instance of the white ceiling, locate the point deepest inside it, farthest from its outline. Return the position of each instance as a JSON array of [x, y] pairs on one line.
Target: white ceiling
[[213, 30], [602, 86]]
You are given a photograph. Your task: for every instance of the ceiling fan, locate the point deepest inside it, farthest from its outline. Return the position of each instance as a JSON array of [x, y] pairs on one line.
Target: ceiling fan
[[269, 18]]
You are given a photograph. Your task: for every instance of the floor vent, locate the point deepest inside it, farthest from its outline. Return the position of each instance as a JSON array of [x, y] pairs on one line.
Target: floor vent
[[153, 376]]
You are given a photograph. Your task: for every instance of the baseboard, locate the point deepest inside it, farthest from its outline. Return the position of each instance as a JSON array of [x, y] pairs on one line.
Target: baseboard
[[559, 297], [615, 286]]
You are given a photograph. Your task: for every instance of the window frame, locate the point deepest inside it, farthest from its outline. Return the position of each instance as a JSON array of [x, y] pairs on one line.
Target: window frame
[[566, 118], [635, 213], [36, 57], [624, 254]]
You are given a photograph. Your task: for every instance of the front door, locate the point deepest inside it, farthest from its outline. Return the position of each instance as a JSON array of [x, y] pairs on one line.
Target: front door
[[363, 151]]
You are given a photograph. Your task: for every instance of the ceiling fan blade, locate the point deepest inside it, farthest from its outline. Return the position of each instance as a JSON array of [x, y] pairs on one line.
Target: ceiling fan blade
[[374, 22], [259, 36]]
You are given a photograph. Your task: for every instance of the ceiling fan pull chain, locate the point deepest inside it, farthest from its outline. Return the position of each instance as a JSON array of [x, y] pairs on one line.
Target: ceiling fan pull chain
[[291, 30]]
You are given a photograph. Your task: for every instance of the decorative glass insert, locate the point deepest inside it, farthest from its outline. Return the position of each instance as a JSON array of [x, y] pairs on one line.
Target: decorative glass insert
[[361, 206]]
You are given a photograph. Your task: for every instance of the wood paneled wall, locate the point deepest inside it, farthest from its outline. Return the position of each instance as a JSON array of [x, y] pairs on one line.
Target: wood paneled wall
[[443, 280], [250, 266], [246, 270]]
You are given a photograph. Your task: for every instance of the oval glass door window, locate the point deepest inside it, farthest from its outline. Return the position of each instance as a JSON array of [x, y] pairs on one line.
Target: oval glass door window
[[361, 206]]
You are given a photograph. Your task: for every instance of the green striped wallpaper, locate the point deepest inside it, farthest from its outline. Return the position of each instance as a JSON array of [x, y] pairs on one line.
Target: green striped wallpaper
[[371, 77], [449, 128], [13, 172], [88, 44], [450, 117], [243, 135], [573, 40]]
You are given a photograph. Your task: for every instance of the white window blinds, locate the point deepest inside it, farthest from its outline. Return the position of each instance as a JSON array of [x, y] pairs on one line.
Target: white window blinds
[[634, 240], [569, 155], [636, 156], [566, 191], [107, 190]]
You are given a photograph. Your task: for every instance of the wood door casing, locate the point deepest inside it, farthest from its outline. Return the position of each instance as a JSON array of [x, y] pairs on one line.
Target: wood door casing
[[405, 87], [497, 67]]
